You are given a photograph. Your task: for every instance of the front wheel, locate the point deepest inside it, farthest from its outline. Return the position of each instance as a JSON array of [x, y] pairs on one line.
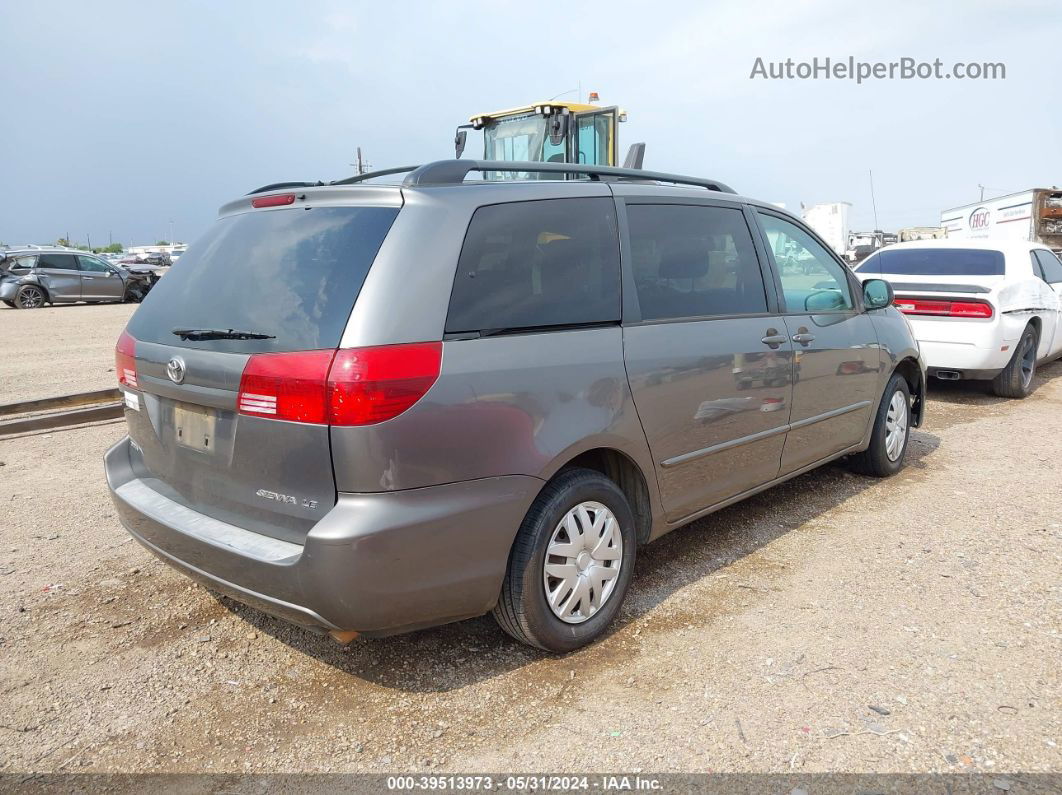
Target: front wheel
[[571, 563], [1017, 377], [892, 428]]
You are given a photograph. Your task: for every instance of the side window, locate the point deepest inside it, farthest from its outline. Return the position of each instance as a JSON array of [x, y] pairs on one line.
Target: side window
[[93, 264], [592, 140], [23, 263], [1037, 268], [63, 262], [1051, 265], [692, 261], [812, 280], [538, 264]]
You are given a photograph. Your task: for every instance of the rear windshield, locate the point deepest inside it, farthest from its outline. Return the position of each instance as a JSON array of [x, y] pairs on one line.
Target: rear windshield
[[292, 274], [935, 262]]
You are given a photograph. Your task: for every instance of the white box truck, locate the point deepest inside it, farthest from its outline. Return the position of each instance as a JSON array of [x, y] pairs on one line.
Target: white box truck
[[1034, 215], [830, 222]]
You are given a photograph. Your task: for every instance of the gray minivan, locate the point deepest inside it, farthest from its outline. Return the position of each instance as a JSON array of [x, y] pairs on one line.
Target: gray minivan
[[371, 408]]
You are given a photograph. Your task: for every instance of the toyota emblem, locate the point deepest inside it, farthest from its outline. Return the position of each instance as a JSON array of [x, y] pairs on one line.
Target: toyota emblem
[[175, 369]]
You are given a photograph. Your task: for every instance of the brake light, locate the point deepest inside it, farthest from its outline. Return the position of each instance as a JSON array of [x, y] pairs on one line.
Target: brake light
[[286, 386], [279, 200], [125, 360], [944, 308], [357, 386], [370, 385]]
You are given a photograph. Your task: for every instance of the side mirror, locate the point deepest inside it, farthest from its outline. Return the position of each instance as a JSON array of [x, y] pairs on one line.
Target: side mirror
[[459, 142], [877, 294], [558, 128], [824, 301]]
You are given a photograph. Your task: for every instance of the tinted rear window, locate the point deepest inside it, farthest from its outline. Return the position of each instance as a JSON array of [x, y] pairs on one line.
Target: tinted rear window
[[694, 261], [62, 262], [935, 262], [538, 264], [294, 274]]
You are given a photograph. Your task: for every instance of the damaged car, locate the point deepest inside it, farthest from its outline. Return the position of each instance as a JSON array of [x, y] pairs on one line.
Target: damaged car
[[31, 278]]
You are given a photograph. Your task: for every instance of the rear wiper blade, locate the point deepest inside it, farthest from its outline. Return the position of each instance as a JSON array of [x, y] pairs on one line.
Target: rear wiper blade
[[219, 334]]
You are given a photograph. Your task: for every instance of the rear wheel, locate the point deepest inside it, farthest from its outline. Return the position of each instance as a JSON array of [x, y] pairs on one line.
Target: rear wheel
[[30, 296], [1017, 377], [570, 565], [892, 427], [9, 303]]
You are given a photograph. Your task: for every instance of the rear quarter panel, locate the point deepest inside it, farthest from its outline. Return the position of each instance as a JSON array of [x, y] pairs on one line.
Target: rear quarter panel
[[516, 405]]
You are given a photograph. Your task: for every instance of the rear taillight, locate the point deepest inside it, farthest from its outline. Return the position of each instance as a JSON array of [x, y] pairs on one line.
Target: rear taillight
[[358, 386], [286, 386], [369, 385], [125, 360], [944, 308]]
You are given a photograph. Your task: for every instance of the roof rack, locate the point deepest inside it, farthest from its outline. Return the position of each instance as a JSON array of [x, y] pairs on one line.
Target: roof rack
[[374, 174], [450, 172], [453, 172], [282, 185]]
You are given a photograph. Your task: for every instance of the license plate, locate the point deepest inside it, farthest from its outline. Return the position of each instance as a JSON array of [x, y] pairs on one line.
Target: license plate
[[194, 427]]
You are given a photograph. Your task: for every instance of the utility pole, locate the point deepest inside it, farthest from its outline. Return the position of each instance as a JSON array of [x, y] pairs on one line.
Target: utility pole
[[89, 237], [361, 166], [873, 201]]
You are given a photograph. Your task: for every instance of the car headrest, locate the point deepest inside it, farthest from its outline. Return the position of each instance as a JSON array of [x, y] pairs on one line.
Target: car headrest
[[684, 260]]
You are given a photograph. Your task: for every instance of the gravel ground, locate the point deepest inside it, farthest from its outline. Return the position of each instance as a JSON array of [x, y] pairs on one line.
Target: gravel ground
[[835, 623], [75, 340]]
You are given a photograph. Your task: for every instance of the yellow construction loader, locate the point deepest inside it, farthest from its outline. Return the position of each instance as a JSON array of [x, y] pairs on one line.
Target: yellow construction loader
[[551, 132]]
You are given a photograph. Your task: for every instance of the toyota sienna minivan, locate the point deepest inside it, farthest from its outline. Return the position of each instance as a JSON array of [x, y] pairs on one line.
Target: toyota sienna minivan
[[371, 408]]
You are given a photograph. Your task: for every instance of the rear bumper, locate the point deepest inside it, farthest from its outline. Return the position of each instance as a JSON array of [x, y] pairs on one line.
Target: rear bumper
[[976, 349], [377, 563]]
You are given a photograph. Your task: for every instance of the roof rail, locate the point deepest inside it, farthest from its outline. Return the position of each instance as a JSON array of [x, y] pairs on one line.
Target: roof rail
[[373, 174], [282, 185], [451, 172]]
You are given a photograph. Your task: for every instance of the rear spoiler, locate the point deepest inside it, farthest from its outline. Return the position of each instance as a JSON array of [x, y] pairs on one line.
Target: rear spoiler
[[940, 288]]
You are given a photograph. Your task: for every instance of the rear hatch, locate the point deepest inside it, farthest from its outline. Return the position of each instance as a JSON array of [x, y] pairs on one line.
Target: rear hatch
[[260, 285]]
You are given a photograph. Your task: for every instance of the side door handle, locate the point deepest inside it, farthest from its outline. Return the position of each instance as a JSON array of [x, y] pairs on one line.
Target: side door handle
[[90, 278], [803, 337], [773, 339]]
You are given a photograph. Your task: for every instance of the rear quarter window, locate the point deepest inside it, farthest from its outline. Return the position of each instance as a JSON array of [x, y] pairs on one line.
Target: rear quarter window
[[292, 274], [537, 264]]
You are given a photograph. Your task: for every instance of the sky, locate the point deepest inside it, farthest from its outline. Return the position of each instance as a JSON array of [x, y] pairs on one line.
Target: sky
[[132, 121]]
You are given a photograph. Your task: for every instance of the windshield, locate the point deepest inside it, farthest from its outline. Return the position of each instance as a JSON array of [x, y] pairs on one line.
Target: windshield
[[290, 274], [935, 262]]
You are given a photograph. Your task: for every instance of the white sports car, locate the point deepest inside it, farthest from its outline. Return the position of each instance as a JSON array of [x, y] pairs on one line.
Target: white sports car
[[980, 309]]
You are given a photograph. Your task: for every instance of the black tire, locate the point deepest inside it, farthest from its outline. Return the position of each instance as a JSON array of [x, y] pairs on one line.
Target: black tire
[[9, 303], [523, 610], [875, 460], [1016, 380], [30, 296]]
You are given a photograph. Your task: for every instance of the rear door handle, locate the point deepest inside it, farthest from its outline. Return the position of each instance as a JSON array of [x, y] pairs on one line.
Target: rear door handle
[[804, 338], [90, 278], [773, 339]]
